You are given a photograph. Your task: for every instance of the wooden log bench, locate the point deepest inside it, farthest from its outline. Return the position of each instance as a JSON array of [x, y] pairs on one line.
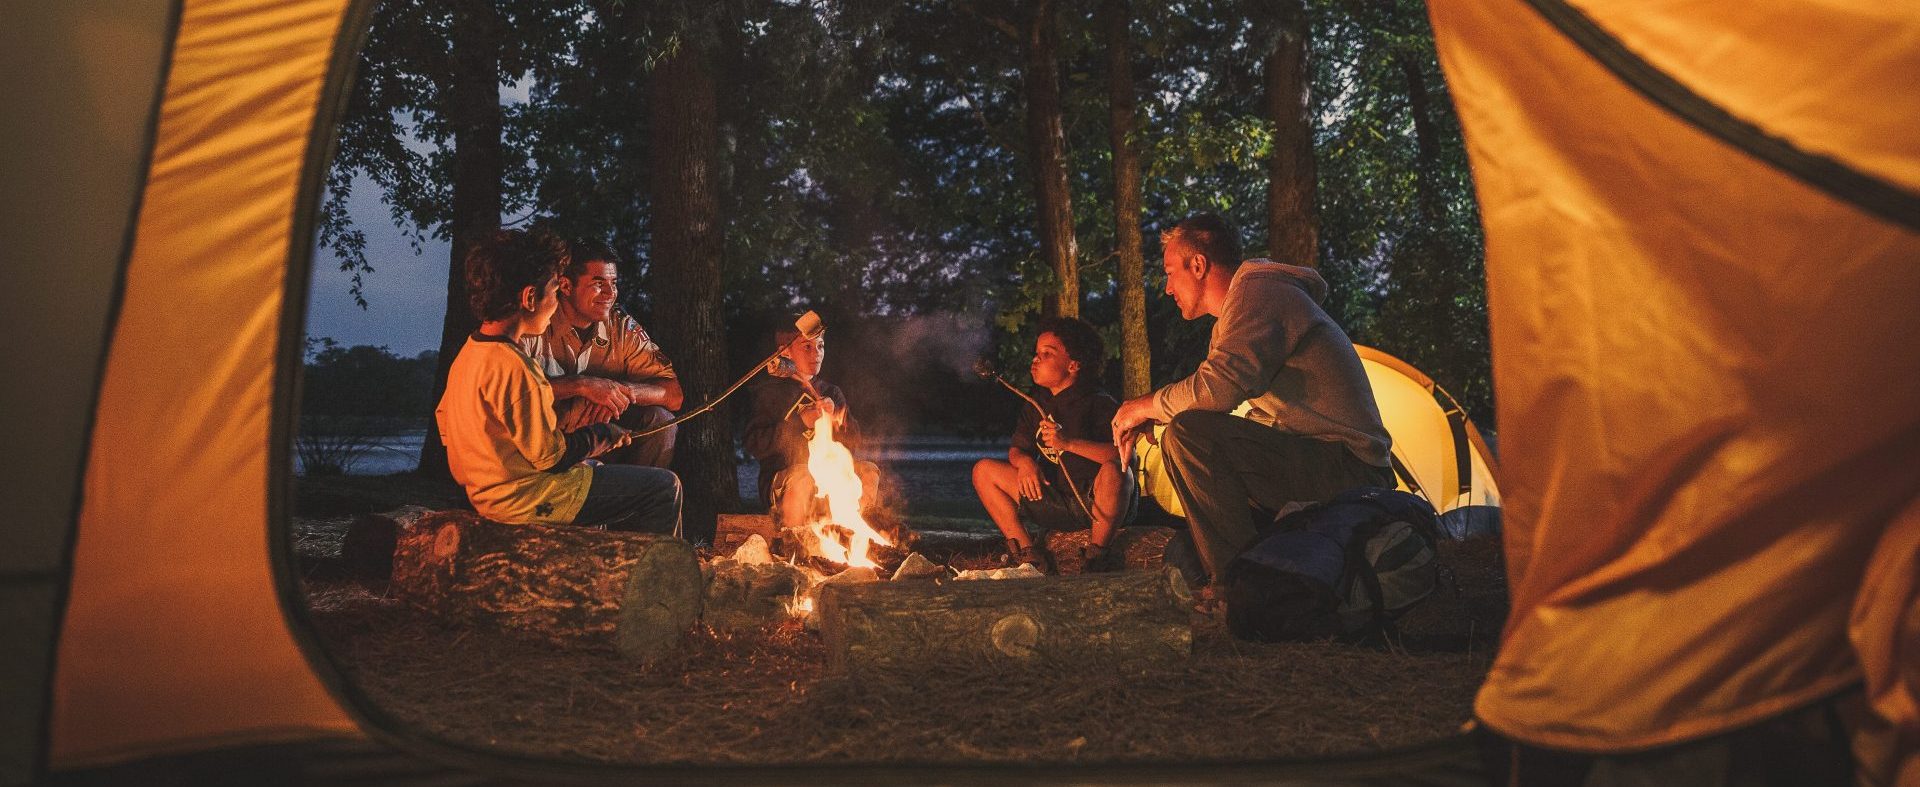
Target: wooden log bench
[[1096, 620], [637, 592]]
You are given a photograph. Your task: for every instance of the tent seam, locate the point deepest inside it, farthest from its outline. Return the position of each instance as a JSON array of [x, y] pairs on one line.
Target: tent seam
[[1867, 192]]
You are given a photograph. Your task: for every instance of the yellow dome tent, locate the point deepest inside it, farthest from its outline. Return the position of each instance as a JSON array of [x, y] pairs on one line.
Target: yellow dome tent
[[1703, 236], [1438, 452]]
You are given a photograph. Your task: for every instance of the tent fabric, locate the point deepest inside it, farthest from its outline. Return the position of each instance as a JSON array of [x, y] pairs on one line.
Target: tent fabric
[[83, 79], [1426, 443], [1885, 630], [1709, 402], [1809, 73], [1433, 438], [174, 634]]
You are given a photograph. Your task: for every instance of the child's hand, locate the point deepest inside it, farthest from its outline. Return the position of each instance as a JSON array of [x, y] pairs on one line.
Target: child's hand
[[1049, 436]]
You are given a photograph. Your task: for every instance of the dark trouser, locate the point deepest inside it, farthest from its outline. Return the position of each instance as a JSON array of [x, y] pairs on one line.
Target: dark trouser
[[654, 450], [1222, 466], [1808, 747], [631, 498]]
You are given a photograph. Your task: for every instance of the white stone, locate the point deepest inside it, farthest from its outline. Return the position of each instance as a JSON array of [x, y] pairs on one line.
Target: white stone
[[754, 551]]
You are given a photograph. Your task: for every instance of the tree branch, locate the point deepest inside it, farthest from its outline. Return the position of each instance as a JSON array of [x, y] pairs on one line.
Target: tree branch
[[998, 23]]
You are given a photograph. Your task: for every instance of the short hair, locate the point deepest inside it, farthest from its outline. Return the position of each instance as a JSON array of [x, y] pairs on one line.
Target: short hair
[[786, 332], [585, 250], [1208, 234], [1083, 343], [507, 262]]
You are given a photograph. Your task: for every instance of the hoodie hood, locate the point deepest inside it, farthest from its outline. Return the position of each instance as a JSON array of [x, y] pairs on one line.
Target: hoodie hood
[[1305, 278]]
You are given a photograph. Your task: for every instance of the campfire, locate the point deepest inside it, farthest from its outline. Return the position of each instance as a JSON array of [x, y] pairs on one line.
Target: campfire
[[842, 535]]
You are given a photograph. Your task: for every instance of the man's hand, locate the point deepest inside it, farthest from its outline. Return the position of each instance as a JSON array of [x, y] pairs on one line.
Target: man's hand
[[1131, 416], [610, 394], [578, 413]]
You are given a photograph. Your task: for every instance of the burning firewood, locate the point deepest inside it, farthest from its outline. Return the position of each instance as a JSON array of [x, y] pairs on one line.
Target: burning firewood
[[1094, 620], [570, 586]]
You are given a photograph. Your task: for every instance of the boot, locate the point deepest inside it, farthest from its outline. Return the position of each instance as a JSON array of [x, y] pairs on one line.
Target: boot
[[1100, 559]]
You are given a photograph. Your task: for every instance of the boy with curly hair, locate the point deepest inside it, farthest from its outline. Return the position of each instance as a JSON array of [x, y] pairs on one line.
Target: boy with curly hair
[[497, 419]]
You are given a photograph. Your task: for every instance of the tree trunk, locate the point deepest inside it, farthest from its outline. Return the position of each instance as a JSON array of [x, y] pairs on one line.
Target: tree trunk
[[1293, 227], [1136, 358], [1048, 153], [686, 260], [570, 586], [473, 111], [1426, 140], [1098, 621]]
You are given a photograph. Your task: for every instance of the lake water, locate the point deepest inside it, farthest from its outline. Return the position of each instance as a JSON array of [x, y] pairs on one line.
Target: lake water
[[935, 473]]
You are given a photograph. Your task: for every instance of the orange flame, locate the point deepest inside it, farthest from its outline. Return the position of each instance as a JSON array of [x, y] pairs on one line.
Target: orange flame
[[837, 480]]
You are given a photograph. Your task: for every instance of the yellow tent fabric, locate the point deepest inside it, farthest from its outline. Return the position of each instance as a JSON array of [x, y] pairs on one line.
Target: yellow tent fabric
[[174, 635], [1708, 394], [1425, 443], [1430, 435]]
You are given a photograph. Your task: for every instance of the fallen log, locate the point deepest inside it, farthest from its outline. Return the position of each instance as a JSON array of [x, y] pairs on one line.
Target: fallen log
[[1140, 548], [946, 546], [637, 592], [1096, 620]]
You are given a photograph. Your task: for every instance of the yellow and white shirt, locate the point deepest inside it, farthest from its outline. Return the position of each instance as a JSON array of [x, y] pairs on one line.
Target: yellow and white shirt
[[497, 421]]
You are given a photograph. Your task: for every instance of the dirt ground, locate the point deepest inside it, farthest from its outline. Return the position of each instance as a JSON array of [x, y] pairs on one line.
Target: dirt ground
[[766, 697]]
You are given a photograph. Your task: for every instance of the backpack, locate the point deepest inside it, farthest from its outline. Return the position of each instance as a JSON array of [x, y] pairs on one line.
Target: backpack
[[1346, 567]]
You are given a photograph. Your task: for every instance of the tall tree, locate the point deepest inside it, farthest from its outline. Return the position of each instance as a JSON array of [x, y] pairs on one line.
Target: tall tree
[[1048, 148], [688, 242], [1293, 226], [1136, 358], [477, 123], [1037, 33]]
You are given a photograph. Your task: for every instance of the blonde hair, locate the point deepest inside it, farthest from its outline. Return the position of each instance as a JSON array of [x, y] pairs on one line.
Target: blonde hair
[[1208, 234]]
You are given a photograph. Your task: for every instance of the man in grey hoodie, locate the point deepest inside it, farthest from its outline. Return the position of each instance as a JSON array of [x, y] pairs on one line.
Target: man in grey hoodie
[[1313, 430]]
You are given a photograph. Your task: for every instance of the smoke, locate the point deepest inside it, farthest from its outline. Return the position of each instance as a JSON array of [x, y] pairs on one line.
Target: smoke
[[952, 341], [914, 375]]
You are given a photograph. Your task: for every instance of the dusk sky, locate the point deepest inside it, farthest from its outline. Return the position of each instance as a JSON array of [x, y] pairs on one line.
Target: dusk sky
[[406, 294]]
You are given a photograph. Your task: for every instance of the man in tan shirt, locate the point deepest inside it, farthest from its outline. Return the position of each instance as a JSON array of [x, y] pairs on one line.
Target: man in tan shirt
[[603, 366]]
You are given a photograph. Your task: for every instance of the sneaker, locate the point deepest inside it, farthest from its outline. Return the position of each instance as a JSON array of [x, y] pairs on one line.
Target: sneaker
[[1036, 554]]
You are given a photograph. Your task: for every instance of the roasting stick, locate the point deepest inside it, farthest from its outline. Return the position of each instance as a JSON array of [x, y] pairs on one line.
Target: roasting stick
[[1054, 455], [809, 325]]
